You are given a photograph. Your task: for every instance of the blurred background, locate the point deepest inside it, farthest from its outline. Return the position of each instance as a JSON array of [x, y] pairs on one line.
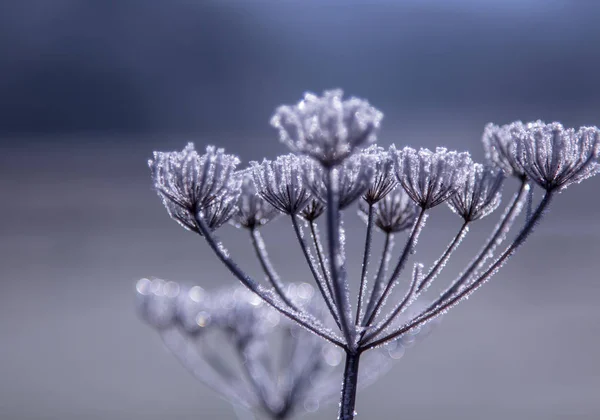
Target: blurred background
[[88, 89]]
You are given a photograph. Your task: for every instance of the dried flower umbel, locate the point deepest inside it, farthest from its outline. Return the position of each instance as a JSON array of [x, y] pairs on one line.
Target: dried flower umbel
[[249, 354], [326, 134]]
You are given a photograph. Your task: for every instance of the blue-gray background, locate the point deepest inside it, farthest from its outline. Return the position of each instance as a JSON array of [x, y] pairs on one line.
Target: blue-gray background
[[89, 88]]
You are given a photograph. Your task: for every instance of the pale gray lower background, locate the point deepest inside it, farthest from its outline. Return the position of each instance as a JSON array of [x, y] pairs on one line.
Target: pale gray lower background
[[80, 224]]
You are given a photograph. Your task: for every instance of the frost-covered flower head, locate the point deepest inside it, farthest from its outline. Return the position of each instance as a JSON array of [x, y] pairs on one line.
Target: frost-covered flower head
[[190, 184], [430, 178], [384, 179], [556, 157], [396, 212], [499, 143], [327, 128], [281, 184], [252, 210], [480, 194], [353, 177], [313, 210]]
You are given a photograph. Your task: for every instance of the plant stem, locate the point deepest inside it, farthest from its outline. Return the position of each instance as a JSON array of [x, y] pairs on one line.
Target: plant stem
[[377, 284], [365, 264], [349, 387]]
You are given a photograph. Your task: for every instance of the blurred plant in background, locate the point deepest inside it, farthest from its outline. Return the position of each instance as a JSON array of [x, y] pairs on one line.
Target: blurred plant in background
[[334, 164], [248, 353]]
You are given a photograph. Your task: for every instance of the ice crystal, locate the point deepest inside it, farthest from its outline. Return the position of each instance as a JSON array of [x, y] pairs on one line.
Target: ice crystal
[[353, 176], [555, 157], [384, 179], [327, 128], [396, 212], [480, 194], [500, 145], [252, 210], [281, 184], [190, 184], [430, 178]]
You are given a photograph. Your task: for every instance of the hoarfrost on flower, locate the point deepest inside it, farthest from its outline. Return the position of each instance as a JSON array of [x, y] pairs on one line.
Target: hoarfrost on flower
[[499, 143], [384, 179], [327, 128], [480, 194], [252, 210], [396, 212]]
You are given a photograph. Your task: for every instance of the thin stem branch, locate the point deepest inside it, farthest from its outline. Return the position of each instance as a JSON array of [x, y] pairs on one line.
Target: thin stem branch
[[300, 317], [408, 249], [388, 245], [423, 284], [468, 290], [336, 259], [263, 257], [365, 264], [313, 269], [314, 233]]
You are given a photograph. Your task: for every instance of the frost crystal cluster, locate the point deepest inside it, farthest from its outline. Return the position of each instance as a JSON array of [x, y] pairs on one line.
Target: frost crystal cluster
[[334, 167]]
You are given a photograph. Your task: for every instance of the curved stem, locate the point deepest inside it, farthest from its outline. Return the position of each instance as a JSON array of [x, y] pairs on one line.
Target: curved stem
[[336, 259], [365, 264], [423, 284], [468, 290], [314, 233], [349, 387], [265, 262], [408, 249], [311, 264], [388, 245], [301, 318]]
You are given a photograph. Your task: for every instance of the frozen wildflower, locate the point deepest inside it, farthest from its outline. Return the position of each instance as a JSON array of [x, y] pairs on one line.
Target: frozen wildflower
[[190, 184], [480, 195], [384, 179], [354, 176], [252, 210], [313, 210], [556, 157], [500, 145], [280, 183], [396, 212], [327, 128], [430, 178]]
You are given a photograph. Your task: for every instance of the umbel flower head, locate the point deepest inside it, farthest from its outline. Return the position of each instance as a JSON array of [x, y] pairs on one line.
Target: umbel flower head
[[313, 210], [555, 157], [480, 194], [353, 177], [396, 212], [499, 143], [430, 178], [384, 179], [192, 185], [327, 128], [280, 183], [252, 210]]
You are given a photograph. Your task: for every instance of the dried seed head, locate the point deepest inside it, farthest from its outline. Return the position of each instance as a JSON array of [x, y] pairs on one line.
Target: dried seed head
[[384, 179], [500, 145], [280, 183], [313, 210], [480, 194], [326, 127], [190, 184], [430, 178], [353, 176], [394, 213], [252, 210], [556, 157]]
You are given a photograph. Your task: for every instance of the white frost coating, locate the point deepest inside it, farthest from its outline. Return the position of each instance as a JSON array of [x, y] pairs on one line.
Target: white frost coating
[[252, 210], [479, 195], [500, 144], [190, 184], [396, 212], [430, 178], [384, 179], [556, 157], [280, 183], [327, 128], [353, 176]]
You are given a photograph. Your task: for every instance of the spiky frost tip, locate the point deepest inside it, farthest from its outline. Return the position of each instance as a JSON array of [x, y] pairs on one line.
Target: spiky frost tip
[[190, 185], [555, 157], [281, 184], [430, 178], [480, 194], [327, 128]]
